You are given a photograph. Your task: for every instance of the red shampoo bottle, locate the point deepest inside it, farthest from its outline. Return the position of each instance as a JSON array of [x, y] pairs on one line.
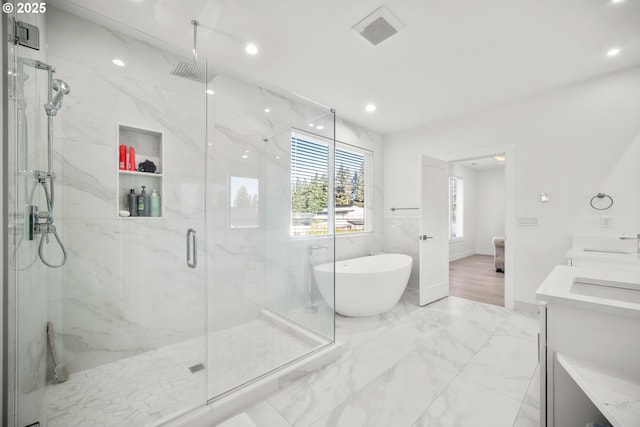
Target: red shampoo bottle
[[132, 159], [123, 157]]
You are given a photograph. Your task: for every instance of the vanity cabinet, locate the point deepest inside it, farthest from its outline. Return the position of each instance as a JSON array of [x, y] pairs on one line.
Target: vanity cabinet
[[589, 346]]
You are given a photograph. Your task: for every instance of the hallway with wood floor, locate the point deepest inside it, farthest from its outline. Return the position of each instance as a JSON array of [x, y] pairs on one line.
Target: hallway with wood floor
[[475, 278]]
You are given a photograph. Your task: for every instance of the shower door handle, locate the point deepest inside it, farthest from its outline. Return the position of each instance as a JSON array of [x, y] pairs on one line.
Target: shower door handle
[[192, 249]]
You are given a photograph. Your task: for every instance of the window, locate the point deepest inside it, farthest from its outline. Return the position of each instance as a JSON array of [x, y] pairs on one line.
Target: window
[[456, 207], [310, 188]]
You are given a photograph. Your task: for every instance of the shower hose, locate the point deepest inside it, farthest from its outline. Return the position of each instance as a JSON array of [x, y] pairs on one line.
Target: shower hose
[[45, 236]]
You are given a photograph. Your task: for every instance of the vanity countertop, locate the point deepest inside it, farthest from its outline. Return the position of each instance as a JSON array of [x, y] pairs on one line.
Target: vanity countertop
[[559, 287]]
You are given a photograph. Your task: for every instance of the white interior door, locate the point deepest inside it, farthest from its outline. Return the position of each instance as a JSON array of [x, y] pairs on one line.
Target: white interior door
[[434, 230]]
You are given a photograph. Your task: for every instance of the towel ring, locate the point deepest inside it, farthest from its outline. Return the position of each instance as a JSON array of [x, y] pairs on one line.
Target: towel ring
[[601, 196]]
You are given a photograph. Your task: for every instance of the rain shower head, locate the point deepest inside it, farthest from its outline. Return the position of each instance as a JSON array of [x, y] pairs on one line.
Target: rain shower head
[[56, 103], [193, 71]]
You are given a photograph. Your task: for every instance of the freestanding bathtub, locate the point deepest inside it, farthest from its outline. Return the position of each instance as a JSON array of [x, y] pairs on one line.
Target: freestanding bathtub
[[365, 286]]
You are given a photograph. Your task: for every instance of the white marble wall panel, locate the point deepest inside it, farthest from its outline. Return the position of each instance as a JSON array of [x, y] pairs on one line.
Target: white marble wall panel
[[401, 236], [126, 288]]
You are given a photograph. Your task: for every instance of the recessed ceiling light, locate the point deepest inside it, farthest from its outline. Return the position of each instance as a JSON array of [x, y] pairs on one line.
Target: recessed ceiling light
[[244, 156], [370, 108], [118, 62], [210, 92], [251, 49], [267, 110], [614, 51], [319, 127], [617, 1], [311, 125]]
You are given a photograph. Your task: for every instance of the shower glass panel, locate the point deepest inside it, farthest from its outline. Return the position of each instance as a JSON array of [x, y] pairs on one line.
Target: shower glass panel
[[172, 296], [265, 310], [126, 310]]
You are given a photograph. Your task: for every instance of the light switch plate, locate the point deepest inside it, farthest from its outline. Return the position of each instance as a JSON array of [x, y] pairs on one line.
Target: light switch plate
[[528, 221]]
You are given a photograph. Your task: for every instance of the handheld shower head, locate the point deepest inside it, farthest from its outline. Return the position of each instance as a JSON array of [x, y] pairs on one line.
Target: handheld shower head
[[62, 88]]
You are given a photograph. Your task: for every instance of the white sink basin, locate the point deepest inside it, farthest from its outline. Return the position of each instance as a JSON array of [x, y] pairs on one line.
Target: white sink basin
[[608, 289]]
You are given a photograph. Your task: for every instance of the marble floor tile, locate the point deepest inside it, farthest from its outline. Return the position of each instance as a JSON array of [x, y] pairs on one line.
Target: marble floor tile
[[520, 325], [146, 388], [490, 317], [492, 351], [246, 351], [466, 404], [505, 364], [407, 305], [532, 398], [263, 415], [395, 398], [452, 305], [307, 399], [528, 417], [408, 335], [453, 347], [451, 363], [353, 331], [239, 420]]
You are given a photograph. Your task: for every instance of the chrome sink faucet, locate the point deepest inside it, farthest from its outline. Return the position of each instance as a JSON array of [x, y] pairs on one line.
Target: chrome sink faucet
[[636, 238]]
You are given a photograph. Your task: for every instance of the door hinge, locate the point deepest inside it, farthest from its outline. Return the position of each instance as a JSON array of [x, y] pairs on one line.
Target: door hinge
[[26, 35]]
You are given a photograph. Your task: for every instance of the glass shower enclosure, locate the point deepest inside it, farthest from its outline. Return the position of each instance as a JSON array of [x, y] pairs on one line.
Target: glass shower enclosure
[[150, 263]]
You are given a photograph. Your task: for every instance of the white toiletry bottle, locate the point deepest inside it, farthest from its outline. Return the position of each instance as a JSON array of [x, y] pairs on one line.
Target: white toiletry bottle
[[154, 203]]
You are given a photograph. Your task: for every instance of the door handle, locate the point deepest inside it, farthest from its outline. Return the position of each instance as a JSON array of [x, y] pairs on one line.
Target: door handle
[[192, 249], [424, 237]]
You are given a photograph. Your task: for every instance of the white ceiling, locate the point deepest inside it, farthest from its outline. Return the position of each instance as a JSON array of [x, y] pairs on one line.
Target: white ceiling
[[453, 57]]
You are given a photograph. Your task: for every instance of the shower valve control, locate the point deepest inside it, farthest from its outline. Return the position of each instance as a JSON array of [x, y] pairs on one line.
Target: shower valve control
[[34, 226]]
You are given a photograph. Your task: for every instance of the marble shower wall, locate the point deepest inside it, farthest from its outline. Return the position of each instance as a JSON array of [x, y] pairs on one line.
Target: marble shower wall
[[126, 288]]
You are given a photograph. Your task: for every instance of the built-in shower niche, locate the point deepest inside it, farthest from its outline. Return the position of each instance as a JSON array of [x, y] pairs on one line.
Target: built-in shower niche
[[147, 145]]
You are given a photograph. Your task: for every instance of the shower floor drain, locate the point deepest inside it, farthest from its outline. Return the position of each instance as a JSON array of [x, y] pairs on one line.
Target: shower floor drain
[[196, 368]]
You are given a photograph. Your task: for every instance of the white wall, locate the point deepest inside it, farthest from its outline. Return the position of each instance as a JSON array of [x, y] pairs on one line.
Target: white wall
[[465, 246], [490, 208], [570, 142]]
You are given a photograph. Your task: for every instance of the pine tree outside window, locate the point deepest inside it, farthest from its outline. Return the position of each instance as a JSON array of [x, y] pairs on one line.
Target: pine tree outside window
[[310, 189]]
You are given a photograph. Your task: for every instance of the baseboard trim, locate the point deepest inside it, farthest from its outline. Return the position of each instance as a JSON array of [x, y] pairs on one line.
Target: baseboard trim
[[460, 255], [484, 252], [456, 257], [526, 307]]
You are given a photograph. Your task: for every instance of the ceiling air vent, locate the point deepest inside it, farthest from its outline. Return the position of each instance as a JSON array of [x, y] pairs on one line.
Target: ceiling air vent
[[378, 26]]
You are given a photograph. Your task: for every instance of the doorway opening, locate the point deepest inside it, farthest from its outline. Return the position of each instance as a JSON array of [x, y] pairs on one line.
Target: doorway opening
[[477, 228]]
